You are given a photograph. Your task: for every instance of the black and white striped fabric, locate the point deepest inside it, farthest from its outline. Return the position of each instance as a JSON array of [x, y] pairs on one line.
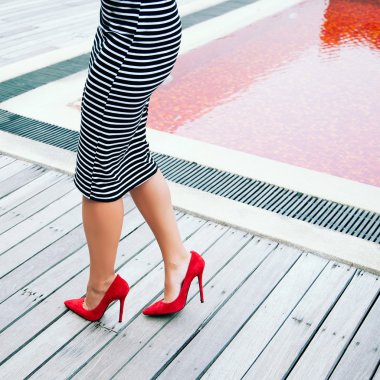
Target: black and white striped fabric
[[135, 48]]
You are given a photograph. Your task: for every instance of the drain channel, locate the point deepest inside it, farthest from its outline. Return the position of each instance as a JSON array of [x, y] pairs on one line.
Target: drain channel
[[350, 220]]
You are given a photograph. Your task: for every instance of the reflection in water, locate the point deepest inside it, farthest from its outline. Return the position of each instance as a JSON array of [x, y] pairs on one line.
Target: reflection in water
[[351, 22], [300, 87]]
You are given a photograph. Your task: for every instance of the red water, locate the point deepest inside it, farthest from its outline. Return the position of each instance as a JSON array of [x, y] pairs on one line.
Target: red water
[[299, 87]]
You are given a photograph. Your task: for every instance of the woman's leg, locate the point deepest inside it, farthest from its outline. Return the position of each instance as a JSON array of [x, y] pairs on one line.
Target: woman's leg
[[153, 200], [102, 222]]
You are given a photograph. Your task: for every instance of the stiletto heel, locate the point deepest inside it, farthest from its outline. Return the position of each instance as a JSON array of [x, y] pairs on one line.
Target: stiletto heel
[[121, 309], [200, 286], [195, 268], [118, 290]]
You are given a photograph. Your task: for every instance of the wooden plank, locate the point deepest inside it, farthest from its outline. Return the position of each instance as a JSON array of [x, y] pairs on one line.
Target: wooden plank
[[32, 15], [19, 256], [5, 160], [41, 28], [24, 53], [46, 26], [37, 200], [67, 25], [38, 231], [363, 354], [4, 61], [57, 275], [54, 243], [147, 290], [337, 330], [65, 324], [42, 12], [224, 324], [58, 24], [13, 168], [376, 376], [237, 356], [40, 219], [302, 324], [9, 5], [13, 28], [69, 236], [20, 179], [21, 195]]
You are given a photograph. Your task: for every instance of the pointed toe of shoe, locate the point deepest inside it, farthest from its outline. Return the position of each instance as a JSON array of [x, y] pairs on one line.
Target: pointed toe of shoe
[[153, 309], [162, 308], [68, 303], [74, 304], [148, 311]]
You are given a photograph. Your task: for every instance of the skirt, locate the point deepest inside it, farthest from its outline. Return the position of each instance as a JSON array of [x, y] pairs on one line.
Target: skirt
[[134, 50]]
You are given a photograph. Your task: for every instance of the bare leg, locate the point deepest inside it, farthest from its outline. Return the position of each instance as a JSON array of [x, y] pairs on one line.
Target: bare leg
[[102, 223], [153, 200]]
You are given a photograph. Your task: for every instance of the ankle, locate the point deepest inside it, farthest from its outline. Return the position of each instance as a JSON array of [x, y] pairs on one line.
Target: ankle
[[178, 261], [99, 286]]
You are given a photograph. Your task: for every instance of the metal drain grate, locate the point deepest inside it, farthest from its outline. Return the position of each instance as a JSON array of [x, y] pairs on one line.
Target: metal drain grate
[[38, 130], [343, 218], [335, 216]]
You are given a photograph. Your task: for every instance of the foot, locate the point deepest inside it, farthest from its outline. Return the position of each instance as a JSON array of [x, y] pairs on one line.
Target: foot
[[95, 293], [174, 275]]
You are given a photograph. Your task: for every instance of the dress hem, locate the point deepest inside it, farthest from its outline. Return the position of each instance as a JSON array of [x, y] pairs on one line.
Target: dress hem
[[140, 182]]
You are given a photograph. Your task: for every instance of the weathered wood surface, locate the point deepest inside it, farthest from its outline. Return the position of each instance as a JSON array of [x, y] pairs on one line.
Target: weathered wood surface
[[32, 27], [263, 300]]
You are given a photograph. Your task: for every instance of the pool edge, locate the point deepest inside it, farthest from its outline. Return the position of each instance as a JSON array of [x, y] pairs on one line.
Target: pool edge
[[311, 238]]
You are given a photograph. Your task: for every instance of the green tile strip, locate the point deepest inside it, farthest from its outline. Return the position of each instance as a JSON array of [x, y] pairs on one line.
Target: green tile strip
[[332, 215], [23, 83]]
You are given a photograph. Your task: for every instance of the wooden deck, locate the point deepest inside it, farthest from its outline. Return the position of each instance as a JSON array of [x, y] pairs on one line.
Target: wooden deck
[[32, 27], [270, 311]]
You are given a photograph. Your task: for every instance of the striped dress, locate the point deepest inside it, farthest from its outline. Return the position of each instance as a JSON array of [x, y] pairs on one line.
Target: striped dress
[[135, 48]]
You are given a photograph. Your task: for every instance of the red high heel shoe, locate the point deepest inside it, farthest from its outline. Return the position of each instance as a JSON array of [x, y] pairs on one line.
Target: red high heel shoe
[[195, 268], [118, 290]]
